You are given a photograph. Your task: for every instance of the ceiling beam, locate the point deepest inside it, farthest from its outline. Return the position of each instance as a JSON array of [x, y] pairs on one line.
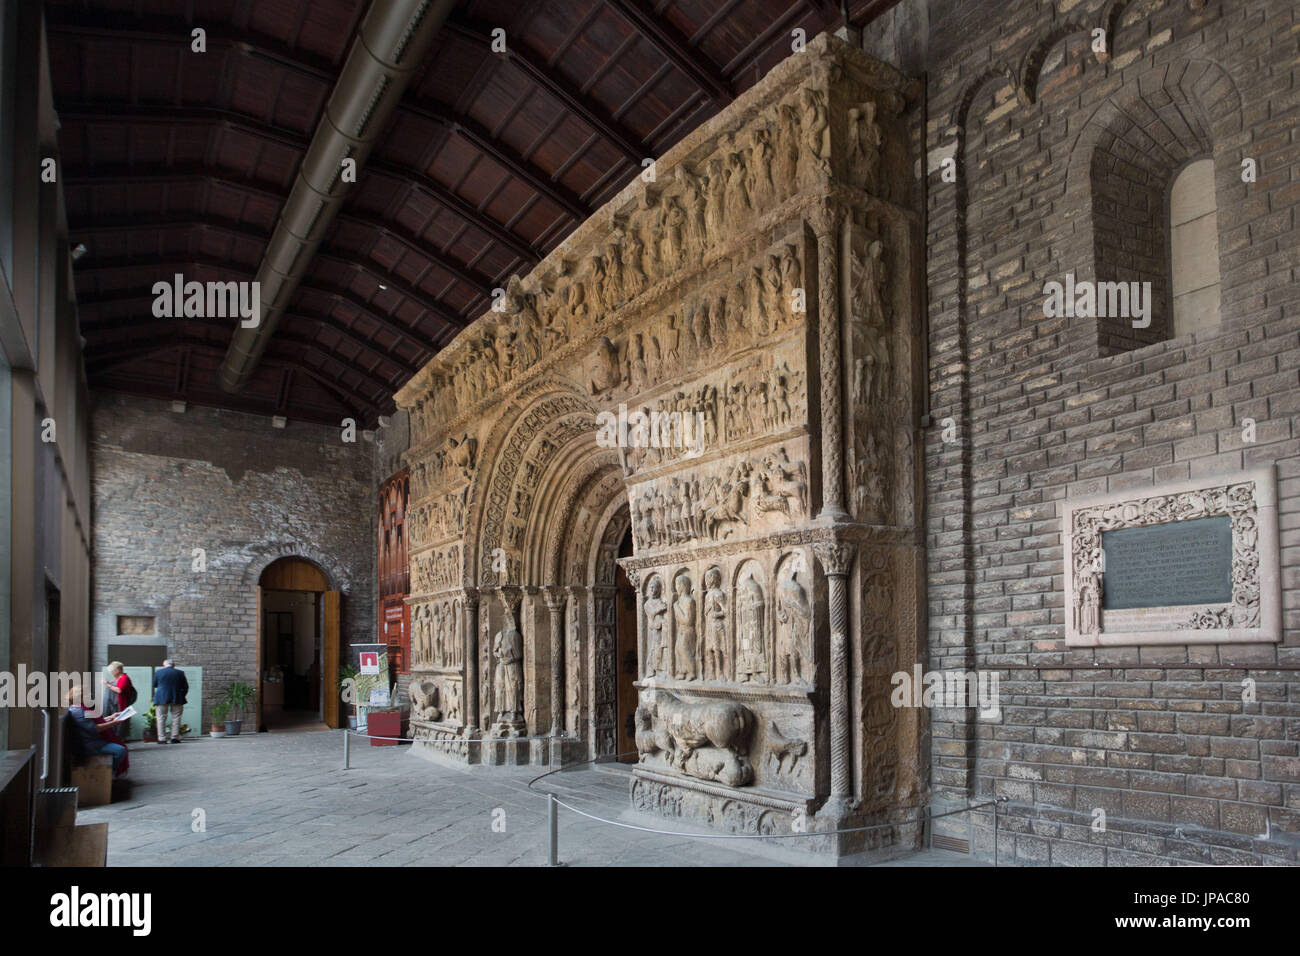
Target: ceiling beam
[[677, 48], [483, 285], [425, 349], [101, 326], [547, 78], [453, 321], [127, 115], [307, 344], [482, 139], [141, 350]]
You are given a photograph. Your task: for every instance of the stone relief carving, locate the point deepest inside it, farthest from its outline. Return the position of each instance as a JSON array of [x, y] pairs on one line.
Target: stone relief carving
[[687, 298], [508, 674], [717, 502], [709, 740], [435, 570], [716, 642], [686, 643], [424, 700], [658, 636], [784, 752], [794, 622], [751, 636]]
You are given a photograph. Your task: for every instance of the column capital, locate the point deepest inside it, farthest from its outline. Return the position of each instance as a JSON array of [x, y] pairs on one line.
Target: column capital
[[826, 218], [511, 596], [836, 557], [555, 597]]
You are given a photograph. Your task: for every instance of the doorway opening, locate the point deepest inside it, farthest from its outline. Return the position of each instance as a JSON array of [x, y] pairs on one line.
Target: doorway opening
[[297, 647], [625, 656]]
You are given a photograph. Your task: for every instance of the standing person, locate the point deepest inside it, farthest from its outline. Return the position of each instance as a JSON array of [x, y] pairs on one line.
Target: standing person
[[93, 732], [169, 690], [121, 692]]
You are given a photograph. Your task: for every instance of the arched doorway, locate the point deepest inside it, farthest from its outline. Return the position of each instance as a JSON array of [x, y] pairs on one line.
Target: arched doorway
[[626, 658], [297, 646]]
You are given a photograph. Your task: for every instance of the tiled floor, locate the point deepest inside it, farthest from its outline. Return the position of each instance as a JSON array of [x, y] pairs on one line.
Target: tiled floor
[[284, 799]]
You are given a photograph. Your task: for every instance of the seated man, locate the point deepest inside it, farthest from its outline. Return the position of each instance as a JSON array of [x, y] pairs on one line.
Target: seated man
[[91, 733]]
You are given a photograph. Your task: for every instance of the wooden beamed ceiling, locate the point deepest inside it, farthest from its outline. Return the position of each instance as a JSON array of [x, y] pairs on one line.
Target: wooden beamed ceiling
[[175, 161]]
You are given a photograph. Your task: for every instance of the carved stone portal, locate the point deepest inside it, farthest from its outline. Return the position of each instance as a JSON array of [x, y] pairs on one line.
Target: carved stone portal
[[719, 362]]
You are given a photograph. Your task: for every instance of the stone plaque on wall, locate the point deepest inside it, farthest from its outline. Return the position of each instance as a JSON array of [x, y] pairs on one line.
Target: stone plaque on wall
[[1192, 562], [1162, 565]]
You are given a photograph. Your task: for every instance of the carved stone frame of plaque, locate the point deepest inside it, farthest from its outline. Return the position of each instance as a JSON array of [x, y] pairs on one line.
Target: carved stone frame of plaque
[[1254, 615]]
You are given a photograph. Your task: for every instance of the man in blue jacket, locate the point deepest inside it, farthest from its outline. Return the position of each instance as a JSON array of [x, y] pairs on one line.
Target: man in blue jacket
[[169, 690]]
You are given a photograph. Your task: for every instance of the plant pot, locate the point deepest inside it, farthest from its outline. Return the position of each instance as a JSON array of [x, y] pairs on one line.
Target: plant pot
[[218, 730], [150, 736], [232, 727], [352, 723]]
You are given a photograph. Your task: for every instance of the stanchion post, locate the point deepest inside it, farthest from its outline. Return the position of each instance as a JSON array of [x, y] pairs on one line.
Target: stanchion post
[[995, 833], [347, 755], [552, 814]]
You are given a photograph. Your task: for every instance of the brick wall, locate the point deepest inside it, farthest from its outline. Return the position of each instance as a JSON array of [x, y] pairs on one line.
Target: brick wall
[[245, 492], [1044, 408]]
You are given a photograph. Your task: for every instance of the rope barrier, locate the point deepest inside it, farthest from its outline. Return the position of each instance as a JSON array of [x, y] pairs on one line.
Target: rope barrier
[[554, 801]]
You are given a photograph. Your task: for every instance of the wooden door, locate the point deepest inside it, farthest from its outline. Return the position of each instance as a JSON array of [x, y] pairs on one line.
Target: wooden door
[[330, 657], [261, 636], [626, 663]]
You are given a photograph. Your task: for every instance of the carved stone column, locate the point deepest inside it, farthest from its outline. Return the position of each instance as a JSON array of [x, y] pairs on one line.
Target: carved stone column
[[826, 223], [836, 559], [634, 577], [470, 623], [555, 604], [574, 650]]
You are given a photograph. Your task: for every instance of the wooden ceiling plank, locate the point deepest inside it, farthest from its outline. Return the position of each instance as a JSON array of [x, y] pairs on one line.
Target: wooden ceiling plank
[[548, 79], [677, 48]]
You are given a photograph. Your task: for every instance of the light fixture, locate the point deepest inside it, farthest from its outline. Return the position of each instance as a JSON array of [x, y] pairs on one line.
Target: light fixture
[[278, 421], [78, 251]]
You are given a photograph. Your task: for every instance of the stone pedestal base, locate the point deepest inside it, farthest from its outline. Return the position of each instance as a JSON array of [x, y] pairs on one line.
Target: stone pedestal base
[[771, 813], [507, 751]]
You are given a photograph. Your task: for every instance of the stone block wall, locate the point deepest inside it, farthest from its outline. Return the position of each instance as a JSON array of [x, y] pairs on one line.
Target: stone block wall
[[1043, 409], [245, 492]]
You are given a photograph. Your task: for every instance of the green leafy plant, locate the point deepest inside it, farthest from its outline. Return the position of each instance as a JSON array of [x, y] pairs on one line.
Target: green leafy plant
[[219, 712], [238, 697]]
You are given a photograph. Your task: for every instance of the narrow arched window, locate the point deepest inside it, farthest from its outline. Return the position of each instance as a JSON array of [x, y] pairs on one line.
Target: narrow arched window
[[1194, 249]]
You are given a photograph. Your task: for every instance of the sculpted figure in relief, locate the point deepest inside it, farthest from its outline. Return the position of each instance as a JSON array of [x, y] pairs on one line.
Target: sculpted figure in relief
[[751, 654], [816, 134], [508, 677], [793, 633], [424, 700], [714, 200], [715, 627], [656, 618], [865, 140], [684, 614], [1088, 603], [603, 372]]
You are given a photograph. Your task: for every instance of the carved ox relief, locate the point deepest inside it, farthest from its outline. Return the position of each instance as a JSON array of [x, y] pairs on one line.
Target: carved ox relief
[[709, 740]]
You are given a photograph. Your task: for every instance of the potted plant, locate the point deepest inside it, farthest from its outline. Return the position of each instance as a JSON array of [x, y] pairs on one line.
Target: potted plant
[[238, 696], [150, 732], [219, 711]]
